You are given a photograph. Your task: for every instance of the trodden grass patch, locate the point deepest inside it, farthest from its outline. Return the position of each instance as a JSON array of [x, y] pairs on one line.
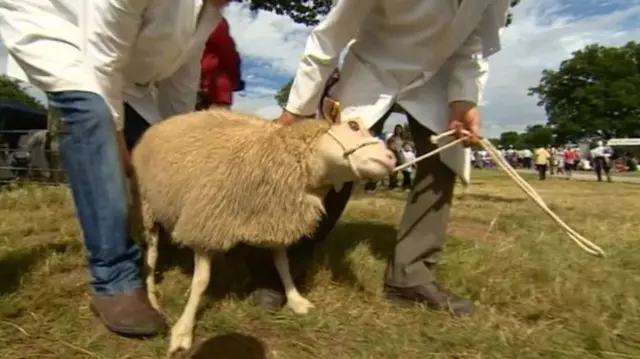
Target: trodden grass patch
[[536, 294]]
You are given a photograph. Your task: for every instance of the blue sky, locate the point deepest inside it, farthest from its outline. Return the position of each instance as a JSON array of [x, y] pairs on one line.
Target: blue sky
[[544, 33]]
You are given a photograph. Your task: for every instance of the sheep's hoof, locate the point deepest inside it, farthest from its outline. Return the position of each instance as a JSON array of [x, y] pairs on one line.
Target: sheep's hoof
[[300, 305], [153, 300], [180, 343]]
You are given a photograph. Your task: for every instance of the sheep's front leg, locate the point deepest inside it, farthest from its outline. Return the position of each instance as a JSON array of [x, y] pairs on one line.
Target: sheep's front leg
[[295, 301], [182, 331]]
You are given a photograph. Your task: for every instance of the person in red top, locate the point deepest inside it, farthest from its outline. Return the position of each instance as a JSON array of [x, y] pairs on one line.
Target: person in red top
[[220, 69], [570, 161]]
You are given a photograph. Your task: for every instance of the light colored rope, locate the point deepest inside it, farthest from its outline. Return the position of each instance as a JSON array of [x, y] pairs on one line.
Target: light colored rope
[[578, 239]]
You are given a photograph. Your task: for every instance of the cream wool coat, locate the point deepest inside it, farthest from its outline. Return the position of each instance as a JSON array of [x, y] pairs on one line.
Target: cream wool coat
[[123, 50], [420, 54]]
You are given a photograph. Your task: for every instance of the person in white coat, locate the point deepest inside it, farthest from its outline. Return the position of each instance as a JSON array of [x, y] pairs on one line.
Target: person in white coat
[[100, 64], [428, 57]]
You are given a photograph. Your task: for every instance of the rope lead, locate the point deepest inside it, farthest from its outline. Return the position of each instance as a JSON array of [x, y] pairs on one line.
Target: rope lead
[[577, 238]]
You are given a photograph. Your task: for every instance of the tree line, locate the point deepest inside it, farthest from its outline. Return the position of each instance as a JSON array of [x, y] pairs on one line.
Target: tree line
[[595, 94], [532, 137], [12, 90]]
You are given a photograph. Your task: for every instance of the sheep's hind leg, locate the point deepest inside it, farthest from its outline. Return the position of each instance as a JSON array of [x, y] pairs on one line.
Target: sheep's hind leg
[[295, 300], [151, 258], [182, 331]]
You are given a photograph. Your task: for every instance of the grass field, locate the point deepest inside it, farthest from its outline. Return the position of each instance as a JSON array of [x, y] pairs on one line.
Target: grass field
[[537, 295]]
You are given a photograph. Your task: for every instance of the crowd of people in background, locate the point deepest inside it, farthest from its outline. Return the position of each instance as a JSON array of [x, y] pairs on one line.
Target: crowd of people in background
[[399, 142], [563, 160]]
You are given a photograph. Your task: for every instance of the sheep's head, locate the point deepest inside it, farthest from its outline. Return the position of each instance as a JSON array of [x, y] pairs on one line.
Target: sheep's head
[[349, 151]]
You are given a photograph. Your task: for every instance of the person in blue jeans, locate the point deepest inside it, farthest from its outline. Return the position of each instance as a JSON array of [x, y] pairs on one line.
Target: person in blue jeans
[[109, 69]]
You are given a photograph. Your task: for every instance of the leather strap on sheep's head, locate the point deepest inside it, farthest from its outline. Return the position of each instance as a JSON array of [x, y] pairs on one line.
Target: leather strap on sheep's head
[[332, 113]]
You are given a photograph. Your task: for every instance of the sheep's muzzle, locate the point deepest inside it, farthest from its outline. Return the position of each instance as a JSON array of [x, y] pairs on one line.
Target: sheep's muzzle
[[347, 152]]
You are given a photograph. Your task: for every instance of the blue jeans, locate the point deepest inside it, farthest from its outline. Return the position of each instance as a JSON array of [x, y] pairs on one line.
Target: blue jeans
[[91, 158]]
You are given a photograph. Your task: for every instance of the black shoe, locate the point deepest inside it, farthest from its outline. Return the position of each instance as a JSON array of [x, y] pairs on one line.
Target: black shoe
[[268, 298], [431, 295]]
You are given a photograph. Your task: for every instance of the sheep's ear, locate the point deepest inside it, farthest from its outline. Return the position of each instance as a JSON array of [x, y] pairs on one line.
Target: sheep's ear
[[331, 110]]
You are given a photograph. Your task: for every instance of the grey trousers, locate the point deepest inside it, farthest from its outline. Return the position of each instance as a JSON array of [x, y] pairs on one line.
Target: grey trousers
[[423, 227]]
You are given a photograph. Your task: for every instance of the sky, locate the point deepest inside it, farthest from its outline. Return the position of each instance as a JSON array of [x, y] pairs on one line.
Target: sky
[[543, 33]]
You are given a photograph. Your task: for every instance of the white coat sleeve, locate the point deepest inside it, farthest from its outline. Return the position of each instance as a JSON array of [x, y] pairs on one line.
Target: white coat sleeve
[[178, 93], [322, 52], [469, 73], [110, 28]]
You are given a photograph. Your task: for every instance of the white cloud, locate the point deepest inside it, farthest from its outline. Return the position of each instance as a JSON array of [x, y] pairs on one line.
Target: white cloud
[[544, 33], [269, 37], [541, 38]]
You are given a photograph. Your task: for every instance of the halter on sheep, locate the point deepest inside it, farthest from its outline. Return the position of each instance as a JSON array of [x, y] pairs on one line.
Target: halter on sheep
[[578, 239], [334, 110]]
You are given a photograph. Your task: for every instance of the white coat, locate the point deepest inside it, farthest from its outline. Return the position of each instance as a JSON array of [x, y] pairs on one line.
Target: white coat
[[123, 50], [419, 54]]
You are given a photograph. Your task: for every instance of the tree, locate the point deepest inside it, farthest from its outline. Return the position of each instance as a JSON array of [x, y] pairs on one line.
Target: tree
[[594, 93], [283, 94], [532, 137], [495, 141], [309, 12], [536, 136], [12, 90], [510, 139]]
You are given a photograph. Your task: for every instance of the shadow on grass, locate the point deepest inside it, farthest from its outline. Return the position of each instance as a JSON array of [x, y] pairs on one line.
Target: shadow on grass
[[229, 346], [244, 268], [492, 198], [18, 263]]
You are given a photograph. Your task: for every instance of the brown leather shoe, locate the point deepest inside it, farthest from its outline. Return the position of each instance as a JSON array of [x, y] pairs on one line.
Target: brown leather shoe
[[129, 313], [431, 295]]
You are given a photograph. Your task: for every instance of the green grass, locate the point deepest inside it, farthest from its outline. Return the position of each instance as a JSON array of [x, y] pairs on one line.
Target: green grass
[[536, 294]]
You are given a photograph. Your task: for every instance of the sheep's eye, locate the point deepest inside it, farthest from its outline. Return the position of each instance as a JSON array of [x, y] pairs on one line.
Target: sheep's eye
[[354, 125]]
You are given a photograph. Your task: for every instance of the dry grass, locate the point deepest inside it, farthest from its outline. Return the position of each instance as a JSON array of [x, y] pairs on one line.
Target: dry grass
[[536, 294]]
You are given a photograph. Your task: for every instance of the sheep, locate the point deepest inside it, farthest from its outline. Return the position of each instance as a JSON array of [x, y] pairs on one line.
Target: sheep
[[215, 178]]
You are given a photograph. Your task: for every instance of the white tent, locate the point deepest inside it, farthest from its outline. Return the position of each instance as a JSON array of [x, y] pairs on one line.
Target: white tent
[[623, 142]]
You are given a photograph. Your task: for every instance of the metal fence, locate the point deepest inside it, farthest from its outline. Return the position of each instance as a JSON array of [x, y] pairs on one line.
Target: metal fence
[[30, 156]]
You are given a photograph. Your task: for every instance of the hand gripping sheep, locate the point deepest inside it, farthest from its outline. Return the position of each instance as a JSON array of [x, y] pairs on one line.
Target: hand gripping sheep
[[216, 178]]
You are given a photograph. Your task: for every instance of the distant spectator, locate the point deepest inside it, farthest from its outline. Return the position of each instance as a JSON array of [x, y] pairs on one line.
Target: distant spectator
[[397, 151], [552, 160], [601, 157], [558, 160], [542, 157], [527, 157], [408, 154], [395, 142], [570, 161], [221, 75]]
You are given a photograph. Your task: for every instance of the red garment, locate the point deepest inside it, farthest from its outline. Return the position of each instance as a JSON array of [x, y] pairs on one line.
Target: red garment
[[570, 155], [220, 72]]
